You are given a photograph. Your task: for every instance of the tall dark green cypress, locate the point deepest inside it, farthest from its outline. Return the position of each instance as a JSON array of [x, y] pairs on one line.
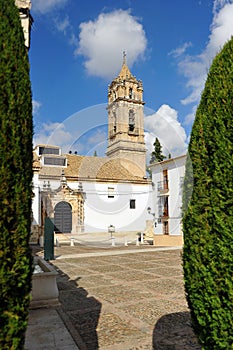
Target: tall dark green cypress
[[208, 219], [15, 179], [156, 155]]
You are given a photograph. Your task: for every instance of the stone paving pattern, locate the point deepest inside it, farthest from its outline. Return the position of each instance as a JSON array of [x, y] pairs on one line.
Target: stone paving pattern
[[125, 302]]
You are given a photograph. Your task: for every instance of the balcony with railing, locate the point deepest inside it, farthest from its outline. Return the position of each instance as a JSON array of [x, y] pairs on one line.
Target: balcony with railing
[[163, 187]]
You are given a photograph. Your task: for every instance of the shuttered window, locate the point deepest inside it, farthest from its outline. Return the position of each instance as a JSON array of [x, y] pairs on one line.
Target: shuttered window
[[55, 161], [48, 150]]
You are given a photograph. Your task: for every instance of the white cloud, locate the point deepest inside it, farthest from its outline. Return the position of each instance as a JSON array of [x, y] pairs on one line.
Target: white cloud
[[53, 134], [164, 124], [44, 6], [195, 68], [218, 4], [36, 106], [62, 25], [180, 50], [103, 40]]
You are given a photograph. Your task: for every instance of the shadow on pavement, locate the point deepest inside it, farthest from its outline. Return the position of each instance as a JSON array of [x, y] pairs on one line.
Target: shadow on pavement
[[82, 311], [174, 332]]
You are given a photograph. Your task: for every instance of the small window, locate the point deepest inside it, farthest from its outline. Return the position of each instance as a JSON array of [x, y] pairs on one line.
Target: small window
[[132, 203], [110, 192]]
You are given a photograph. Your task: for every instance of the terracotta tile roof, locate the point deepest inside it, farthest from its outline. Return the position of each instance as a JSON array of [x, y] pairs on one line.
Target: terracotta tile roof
[[87, 168], [51, 171], [113, 169], [98, 168]]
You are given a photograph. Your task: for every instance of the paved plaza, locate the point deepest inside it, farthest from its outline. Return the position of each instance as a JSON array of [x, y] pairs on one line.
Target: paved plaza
[[123, 299]]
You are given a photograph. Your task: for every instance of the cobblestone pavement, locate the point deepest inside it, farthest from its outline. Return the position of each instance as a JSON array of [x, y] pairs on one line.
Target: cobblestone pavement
[[124, 302]]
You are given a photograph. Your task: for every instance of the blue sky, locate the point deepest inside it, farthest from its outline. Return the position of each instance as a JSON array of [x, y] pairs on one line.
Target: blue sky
[[76, 51]]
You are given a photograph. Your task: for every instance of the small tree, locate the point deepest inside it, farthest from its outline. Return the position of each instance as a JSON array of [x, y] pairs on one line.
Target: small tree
[[208, 220], [15, 179], [156, 155]]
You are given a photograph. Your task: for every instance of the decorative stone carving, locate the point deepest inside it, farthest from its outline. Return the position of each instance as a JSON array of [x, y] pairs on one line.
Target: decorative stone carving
[[50, 198]]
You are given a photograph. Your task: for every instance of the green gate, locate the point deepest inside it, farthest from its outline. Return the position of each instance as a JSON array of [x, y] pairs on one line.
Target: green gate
[[48, 239]]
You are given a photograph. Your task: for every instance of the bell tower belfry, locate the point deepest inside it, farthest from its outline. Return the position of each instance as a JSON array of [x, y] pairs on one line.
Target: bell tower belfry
[[126, 121]]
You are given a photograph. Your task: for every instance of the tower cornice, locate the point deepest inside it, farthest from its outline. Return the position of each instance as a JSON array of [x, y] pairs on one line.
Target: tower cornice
[[125, 99]]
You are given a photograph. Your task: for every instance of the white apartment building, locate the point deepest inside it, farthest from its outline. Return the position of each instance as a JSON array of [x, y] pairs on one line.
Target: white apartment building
[[167, 181]]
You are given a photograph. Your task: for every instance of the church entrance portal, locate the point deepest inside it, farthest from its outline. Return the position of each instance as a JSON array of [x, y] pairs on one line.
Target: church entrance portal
[[63, 218]]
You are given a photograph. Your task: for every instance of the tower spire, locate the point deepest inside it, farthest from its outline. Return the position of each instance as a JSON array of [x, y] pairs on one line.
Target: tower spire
[[125, 72]]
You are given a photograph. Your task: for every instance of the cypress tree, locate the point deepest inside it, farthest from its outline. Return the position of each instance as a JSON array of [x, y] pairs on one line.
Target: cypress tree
[[15, 179], [156, 155], [208, 220]]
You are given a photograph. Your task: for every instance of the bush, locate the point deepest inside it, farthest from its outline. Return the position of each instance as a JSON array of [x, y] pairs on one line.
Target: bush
[[15, 179], [208, 220]]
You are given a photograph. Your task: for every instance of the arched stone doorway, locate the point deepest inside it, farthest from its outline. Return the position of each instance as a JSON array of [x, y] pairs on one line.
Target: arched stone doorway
[[63, 217]]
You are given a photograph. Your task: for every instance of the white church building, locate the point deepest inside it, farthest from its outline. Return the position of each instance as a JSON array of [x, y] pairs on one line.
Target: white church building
[[90, 194], [84, 194]]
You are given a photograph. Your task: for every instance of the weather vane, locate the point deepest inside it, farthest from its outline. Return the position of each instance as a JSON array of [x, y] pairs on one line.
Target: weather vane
[[124, 57]]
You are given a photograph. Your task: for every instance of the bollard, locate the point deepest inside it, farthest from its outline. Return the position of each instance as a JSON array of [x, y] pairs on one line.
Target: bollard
[[142, 238], [137, 241], [113, 241], [126, 243], [72, 242]]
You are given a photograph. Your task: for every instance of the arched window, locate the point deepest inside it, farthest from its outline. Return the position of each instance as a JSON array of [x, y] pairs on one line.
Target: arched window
[[130, 93], [131, 120]]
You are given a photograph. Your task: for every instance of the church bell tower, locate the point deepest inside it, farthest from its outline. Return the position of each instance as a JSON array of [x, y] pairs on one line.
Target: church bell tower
[[126, 121]]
